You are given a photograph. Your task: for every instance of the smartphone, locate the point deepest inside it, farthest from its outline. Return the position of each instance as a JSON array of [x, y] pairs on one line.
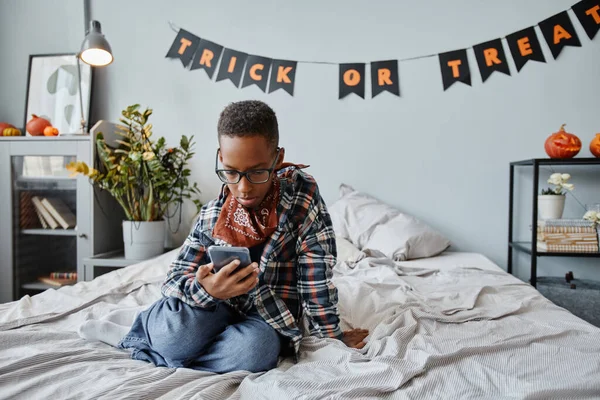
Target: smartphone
[[220, 256]]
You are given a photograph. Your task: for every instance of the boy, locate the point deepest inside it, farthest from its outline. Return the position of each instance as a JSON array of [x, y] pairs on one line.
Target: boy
[[228, 320]]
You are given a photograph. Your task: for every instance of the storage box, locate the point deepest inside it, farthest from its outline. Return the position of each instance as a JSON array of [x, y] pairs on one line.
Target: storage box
[[583, 300]]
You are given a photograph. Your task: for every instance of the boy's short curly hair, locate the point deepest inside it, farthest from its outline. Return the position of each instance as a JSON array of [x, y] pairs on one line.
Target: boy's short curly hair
[[249, 118]]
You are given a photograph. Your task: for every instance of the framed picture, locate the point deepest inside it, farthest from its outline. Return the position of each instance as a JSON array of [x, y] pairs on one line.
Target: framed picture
[[53, 87]]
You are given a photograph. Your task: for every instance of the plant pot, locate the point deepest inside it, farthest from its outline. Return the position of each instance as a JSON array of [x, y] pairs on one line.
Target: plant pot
[[143, 239], [551, 206]]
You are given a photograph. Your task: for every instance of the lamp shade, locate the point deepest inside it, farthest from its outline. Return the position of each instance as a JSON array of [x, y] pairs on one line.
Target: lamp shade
[[95, 49]]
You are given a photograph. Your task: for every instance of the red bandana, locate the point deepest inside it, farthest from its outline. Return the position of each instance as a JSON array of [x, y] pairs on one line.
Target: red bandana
[[244, 227]]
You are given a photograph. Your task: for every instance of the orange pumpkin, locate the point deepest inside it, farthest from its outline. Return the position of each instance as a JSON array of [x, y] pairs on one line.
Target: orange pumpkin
[[595, 145], [50, 131], [562, 144], [36, 125]]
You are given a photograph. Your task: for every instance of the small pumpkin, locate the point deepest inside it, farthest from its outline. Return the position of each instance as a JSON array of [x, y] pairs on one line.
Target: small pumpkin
[[562, 144], [36, 125], [3, 126], [11, 132], [50, 131], [595, 145]]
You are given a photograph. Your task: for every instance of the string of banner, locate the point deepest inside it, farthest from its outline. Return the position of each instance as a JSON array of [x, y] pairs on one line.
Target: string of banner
[[272, 74]]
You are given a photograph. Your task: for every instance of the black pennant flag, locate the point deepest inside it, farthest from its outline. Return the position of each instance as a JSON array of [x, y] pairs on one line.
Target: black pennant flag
[[232, 66], [207, 57], [183, 47], [384, 77], [257, 72], [559, 32], [524, 46], [455, 68], [352, 79], [283, 76], [490, 57], [588, 13]]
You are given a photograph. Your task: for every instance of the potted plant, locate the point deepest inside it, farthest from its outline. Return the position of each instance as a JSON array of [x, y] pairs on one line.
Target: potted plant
[[551, 203], [149, 180]]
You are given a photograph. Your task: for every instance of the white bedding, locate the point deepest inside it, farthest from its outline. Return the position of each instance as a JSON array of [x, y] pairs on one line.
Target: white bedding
[[451, 326]]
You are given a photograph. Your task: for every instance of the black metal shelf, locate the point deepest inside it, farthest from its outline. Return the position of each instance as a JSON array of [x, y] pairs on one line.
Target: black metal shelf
[[559, 161], [526, 248]]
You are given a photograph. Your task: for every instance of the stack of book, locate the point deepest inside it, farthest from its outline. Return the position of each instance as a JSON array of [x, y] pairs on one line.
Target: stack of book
[[59, 279], [52, 212], [567, 236]]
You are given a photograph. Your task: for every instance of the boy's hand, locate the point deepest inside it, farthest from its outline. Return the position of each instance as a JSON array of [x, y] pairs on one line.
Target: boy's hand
[[354, 338], [226, 284]]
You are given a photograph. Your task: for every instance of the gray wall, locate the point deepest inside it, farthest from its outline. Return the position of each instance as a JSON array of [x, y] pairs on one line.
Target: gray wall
[[441, 156]]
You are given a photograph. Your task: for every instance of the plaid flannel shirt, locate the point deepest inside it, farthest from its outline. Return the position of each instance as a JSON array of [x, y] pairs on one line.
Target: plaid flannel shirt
[[295, 266]]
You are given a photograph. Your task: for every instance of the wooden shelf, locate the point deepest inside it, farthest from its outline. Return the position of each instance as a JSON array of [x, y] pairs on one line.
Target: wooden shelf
[[39, 286], [50, 232]]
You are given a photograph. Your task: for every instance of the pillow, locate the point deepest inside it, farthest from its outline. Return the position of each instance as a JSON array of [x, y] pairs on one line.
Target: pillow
[[373, 225], [356, 215]]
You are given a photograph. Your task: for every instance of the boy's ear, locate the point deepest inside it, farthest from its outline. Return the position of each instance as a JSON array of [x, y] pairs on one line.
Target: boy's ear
[[281, 157]]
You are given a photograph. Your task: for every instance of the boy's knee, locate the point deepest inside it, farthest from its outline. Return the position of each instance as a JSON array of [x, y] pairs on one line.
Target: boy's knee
[[261, 351]]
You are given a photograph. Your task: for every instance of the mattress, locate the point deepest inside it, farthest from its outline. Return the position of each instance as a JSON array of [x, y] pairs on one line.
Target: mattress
[[451, 326]]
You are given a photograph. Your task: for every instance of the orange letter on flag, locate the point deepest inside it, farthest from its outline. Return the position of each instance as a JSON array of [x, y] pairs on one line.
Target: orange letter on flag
[[383, 77], [594, 13], [282, 74], [524, 46], [351, 77], [185, 43], [560, 33], [232, 64], [454, 65], [207, 55], [491, 57], [253, 73]]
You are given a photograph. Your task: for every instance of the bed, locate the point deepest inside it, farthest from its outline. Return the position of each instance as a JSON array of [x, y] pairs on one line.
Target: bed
[[449, 326], [452, 325]]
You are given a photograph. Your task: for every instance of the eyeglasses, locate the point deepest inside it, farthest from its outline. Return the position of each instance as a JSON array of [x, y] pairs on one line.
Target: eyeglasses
[[233, 176]]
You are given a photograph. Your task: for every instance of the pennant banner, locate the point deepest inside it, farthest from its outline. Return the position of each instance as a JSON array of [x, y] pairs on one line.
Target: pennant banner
[[283, 75], [207, 56], [559, 32], [588, 14], [257, 72], [524, 46], [352, 79], [270, 75], [490, 57], [183, 47], [232, 66], [384, 77], [455, 68]]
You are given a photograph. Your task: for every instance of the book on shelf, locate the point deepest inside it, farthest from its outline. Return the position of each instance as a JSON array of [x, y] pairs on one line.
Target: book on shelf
[[567, 237], [567, 248], [60, 212], [566, 222], [42, 220], [37, 202], [57, 282], [63, 275]]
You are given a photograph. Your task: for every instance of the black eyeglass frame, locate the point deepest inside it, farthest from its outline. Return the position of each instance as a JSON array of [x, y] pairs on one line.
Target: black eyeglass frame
[[245, 174]]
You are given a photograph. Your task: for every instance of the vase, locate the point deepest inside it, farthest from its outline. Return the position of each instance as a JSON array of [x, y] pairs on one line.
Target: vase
[[551, 206], [143, 239]]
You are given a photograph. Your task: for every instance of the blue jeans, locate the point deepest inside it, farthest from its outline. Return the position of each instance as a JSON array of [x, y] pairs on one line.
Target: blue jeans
[[173, 334]]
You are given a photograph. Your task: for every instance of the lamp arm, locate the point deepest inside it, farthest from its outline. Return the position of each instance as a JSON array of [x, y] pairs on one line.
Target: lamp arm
[[83, 122]]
